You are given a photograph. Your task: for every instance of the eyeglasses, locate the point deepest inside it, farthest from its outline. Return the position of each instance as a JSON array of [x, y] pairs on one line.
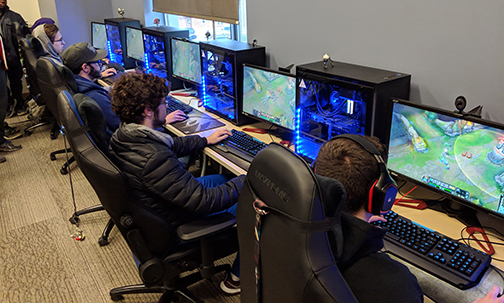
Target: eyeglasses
[[99, 62], [59, 40]]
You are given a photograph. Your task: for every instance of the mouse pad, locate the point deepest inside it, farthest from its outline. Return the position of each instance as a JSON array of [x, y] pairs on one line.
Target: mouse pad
[[197, 122]]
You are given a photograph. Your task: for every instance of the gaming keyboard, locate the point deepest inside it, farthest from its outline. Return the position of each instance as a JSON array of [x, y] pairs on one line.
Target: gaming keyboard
[[241, 145], [443, 257], [173, 105]]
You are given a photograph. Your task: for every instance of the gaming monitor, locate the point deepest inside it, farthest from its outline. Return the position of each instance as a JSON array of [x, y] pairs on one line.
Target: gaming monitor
[[186, 60], [460, 157], [134, 43], [155, 58], [114, 43], [270, 96], [98, 35]]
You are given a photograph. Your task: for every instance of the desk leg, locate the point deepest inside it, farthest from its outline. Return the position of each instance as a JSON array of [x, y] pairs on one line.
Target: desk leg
[[203, 164]]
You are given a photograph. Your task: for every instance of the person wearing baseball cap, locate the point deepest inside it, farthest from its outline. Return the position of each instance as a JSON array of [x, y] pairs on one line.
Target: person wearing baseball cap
[[85, 63]]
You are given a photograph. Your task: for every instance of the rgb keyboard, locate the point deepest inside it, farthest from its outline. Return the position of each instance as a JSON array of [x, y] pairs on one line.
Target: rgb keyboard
[[173, 104], [241, 145], [443, 257]]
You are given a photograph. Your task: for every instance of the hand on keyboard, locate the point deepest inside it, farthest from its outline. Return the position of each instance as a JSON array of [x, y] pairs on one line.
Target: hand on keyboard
[[175, 116], [218, 136]]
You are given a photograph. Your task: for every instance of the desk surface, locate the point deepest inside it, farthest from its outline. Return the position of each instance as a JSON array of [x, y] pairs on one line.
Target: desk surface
[[232, 167]]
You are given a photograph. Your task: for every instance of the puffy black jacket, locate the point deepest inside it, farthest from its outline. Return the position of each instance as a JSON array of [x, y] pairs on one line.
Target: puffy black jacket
[[8, 22], [157, 178]]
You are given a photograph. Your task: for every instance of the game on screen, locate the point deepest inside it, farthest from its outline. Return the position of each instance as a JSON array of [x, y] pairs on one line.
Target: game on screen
[[270, 96], [454, 155]]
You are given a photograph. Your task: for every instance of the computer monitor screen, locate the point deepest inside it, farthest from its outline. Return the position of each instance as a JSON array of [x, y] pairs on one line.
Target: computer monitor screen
[[98, 35], [186, 60], [269, 95], [114, 43], [450, 154], [329, 107], [155, 58], [134, 43]]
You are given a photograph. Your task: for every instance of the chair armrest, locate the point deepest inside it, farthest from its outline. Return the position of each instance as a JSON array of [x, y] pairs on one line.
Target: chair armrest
[[205, 227]]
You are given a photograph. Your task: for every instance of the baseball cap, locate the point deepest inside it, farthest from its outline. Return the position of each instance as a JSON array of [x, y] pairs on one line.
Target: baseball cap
[[79, 53]]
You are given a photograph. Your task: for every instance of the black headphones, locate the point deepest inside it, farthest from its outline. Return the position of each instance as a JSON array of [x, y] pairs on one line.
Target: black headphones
[[383, 191]]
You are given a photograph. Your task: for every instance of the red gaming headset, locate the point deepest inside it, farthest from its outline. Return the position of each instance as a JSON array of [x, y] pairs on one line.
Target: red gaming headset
[[383, 191]]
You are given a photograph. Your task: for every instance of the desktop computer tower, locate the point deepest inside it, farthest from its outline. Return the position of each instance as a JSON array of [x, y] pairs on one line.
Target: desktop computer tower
[[344, 98], [116, 36], [222, 76], [164, 33]]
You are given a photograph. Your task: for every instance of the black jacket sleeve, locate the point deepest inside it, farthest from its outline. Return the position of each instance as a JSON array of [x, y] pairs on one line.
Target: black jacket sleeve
[[164, 176], [183, 146]]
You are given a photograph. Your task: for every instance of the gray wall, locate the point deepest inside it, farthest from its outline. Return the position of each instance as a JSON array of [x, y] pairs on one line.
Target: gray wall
[[75, 16], [450, 47]]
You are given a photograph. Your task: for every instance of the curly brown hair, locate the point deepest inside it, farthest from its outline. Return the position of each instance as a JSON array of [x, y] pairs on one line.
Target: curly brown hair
[[133, 93], [349, 163], [51, 30]]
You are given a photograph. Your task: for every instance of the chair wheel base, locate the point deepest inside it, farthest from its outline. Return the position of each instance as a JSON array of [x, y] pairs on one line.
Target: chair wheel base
[[116, 298], [74, 219], [53, 157], [64, 171], [27, 133], [103, 241]]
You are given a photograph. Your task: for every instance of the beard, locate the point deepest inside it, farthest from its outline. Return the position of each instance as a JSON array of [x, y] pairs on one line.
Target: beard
[[158, 122], [95, 73]]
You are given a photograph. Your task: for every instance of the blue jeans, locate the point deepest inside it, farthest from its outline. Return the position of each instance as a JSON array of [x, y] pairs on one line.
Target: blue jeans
[[213, 181]]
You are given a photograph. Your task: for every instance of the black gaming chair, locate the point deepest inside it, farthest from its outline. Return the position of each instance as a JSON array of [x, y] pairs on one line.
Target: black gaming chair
[[296, 261], [52, 79], [162, 251], [31, 49]]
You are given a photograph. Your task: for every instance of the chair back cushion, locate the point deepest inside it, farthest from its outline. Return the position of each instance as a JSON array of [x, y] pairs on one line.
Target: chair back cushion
[[294, 266], [110, 185], [52, 79], [92, 117], [31, 50]]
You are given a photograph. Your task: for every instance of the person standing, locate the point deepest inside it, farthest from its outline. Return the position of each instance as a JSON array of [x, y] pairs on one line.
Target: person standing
[[12, 25], [5, 145]]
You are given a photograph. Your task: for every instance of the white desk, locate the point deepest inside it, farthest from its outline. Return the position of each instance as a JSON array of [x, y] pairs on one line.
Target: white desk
[[229, 165]]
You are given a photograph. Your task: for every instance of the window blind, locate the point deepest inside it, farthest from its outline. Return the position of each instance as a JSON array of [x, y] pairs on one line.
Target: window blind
[[216, 10]]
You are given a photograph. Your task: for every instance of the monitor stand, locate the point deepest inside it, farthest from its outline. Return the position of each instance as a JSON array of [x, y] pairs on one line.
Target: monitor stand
[[281, 133]]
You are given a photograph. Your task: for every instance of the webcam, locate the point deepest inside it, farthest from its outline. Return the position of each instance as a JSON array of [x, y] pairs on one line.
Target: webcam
[[460, 103]]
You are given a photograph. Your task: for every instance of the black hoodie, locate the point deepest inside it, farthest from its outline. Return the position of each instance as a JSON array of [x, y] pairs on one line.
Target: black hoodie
[[373, 276]]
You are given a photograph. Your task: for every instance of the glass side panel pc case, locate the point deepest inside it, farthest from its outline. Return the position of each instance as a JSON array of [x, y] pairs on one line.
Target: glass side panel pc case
[[458, 156], [158, 54], [327, 108], [155, 55], [116, 39], [135, 45], [114, 44], [269, 96], [222, 76], [99, 35], [186, 60], [341, 98]]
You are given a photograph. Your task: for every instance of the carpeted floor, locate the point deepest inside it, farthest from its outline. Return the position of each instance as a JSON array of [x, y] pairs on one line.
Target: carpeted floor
[[39, 260]]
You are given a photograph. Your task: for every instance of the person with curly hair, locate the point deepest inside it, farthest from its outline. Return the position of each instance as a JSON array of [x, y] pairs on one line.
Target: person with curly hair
[[148, 157]]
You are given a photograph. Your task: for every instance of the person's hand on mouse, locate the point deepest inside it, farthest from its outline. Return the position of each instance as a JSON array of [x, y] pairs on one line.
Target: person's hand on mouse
[[175, 116], [493, 296]]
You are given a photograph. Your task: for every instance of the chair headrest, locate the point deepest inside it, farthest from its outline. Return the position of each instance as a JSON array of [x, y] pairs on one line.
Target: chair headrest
[[35, 45], [92, 116], [68, 77]]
